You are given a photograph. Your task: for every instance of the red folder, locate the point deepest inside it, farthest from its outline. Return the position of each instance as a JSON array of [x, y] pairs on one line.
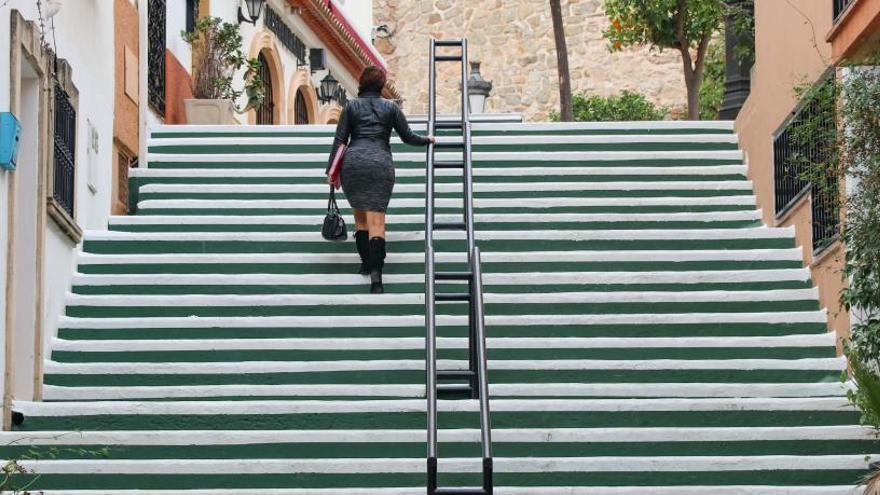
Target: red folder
[[336, 167]]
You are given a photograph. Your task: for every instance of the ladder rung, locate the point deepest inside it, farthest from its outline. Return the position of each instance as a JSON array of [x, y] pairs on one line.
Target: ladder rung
[[448, 164], [449, 124], [450, 226], [447, 58], [453, 387], [460, 491], [455, 374], [453, 275], [453, 296], [447, 43], [447, 144]]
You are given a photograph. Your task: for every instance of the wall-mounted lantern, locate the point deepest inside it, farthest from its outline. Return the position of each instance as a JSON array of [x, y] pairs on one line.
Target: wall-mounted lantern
[[329, 85], [478, 89], [255, 8]]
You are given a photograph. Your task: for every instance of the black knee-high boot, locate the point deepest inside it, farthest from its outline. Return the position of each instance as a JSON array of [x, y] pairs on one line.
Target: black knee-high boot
[[362, 240], [377, 262]]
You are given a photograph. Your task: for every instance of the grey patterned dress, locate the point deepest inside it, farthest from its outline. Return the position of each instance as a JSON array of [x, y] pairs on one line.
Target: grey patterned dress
[[368, 169]]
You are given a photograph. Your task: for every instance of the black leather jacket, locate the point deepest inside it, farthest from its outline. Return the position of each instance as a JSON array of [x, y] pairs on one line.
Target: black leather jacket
[[368, 120]]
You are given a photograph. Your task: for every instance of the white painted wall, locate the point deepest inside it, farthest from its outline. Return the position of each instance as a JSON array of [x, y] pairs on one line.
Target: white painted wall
[[83, 35], [228, 11], [360, 14]]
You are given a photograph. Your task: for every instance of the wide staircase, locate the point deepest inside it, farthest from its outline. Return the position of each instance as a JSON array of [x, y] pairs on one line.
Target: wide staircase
[[647, 334]]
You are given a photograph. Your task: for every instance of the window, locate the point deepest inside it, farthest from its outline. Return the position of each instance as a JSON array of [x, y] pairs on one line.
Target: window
[[64, 143], [301, 111], [266, 111], [156, 54], [192, 14]]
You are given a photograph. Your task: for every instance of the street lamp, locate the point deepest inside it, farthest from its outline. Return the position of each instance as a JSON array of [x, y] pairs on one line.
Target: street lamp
[[255, 8], [478, 89], [329, 85]]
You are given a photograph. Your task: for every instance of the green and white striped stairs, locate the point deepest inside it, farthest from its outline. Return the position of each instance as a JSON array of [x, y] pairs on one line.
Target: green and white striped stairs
[[647, 333]]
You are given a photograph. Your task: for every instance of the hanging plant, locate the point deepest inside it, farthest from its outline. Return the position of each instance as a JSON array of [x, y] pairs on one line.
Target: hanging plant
[[217, 57]]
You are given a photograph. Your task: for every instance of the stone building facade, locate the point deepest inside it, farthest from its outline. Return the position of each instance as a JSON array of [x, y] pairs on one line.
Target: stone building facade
[[514, 41]]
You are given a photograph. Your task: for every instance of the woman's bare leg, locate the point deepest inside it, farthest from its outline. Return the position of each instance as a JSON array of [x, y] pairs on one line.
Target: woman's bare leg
[[376, 223], [360, 219]]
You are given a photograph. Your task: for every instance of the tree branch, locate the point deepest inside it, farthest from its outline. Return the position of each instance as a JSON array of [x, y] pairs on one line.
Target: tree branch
[[683, 44]]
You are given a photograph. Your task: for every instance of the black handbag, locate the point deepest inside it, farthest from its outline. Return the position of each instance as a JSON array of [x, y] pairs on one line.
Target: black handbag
[[334, 226]]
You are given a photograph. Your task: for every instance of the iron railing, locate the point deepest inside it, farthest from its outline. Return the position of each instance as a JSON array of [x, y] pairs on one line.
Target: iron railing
[[474, 380], [156, 54], [64, 147], [840, 7], [285, 35], [805, 142]]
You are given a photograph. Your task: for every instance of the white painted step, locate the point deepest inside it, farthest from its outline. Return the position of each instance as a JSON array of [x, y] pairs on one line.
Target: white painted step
[[409, 465], [400, 343], [479, 124], [397, 202], [790, 254], [442, 320], [261, 367], [487, 235], [416, 172], [717, 216], [479, 187], [609, 390], [477, 156], [257, 140], [198, 407], [509, 490], [489, 279], [500, 435], [312, 300]]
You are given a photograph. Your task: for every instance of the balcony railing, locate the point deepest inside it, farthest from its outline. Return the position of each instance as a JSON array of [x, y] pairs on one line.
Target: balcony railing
[[840, 7], [805, 144]]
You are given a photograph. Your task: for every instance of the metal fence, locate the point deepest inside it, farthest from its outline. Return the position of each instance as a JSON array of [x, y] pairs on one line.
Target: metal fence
[[804, 144]]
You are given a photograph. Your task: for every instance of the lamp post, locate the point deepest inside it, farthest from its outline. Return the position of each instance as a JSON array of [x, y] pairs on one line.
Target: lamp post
[[254, 8], [478, 89], [738, 77], [329, 85]]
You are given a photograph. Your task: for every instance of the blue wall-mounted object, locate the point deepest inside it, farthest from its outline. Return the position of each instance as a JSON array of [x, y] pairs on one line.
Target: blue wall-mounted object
[[10, 134]]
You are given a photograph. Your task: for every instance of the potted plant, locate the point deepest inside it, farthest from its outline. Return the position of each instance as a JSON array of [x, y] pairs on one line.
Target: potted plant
[[217, 56]]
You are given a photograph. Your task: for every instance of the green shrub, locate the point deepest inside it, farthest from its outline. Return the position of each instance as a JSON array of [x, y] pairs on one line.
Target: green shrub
[[712, 90], [628, 105]]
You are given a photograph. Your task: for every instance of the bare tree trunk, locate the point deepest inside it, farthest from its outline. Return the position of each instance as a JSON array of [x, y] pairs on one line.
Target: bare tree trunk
[[565, 110]]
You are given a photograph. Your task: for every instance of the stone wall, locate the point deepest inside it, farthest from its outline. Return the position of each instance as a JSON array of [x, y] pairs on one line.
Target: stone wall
[[514, 41]]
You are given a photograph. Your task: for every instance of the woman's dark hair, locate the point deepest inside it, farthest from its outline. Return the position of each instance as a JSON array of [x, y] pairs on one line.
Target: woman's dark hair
[[372, 79]]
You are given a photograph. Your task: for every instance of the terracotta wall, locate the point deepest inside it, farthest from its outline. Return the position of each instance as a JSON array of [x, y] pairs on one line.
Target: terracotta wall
[[790, 50], [857, 32], [178, 87], [125, 116]]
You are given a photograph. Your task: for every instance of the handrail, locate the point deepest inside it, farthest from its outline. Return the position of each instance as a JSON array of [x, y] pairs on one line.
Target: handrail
[[477, 386]]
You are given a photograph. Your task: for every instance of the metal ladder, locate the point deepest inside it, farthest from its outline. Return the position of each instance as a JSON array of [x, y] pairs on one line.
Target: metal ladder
[[472, 381]]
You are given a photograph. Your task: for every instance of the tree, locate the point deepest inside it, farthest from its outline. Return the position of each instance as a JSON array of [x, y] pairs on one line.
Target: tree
[[684, 25], [565, 109]]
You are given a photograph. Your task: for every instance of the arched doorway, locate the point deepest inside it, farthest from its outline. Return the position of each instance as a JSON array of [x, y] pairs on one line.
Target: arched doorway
[[300, 109], [266, 111]]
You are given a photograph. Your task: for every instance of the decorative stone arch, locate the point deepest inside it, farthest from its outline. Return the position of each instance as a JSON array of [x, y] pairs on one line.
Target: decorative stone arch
[[263, 43], [302, 83], [330, 113]]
